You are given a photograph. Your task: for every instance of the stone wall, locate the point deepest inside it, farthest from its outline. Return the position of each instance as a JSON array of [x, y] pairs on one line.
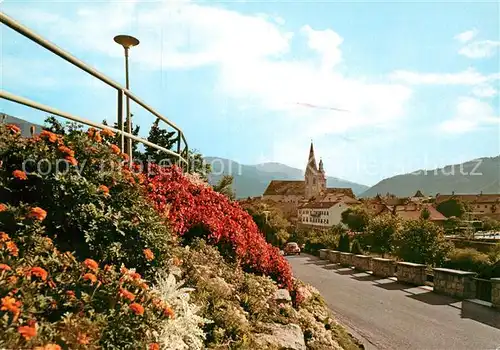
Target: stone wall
[[346, 259], [455, 283], [411, 273], [323, 254], [383, 267], [495, 292], [334, 256], [362, 262]]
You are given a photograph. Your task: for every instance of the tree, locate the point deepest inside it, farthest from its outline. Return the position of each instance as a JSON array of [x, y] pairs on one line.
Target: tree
[[422, 242], [380, 232], [425, 214], [269, 220], [136, 154], [356, 247], [490, 224], [225, 186], [162, 138], [452, 207], [344, 244], [356, 218]]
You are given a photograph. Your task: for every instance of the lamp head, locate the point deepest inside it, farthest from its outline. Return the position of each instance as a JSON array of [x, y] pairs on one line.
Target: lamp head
[[126, 41]]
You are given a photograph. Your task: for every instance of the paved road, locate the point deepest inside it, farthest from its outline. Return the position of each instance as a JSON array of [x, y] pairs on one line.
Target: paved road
[[387, 315]]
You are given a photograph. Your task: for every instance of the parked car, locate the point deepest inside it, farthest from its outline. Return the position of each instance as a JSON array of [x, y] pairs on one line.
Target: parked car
[[292, 248]]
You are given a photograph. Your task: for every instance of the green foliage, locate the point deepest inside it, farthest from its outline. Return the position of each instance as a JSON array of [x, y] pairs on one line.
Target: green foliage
[[163, 138], [136, 154], [344, 243], [468, 259], [271, 222], [380, 232], [356, 218], [452, 207], [490, 224], [225, 186], [356, 247], [425, 214], [422, 242]]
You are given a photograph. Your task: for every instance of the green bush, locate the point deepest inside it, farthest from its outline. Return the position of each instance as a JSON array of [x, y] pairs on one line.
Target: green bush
[[468, 259], [344, 243], [356, 247]]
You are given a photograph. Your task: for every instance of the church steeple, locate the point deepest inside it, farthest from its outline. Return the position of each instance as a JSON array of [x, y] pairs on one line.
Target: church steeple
[[321, 166], [311, 163]]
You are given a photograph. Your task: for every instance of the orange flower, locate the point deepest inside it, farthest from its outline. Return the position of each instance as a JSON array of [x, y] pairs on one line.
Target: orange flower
[[4, 237], [82, 339], [109, 133], [148, 254], [37, 213], [10, 304], [144, 286], [5, 267], [3, 207], [48, 347], [123, 270], [154, 346], [49, 135], [91, 264], [125, 156], [137, 308], [71, 160], [67, 151], [176, 261], [12, 248], [13, 128], [90, 277], [167, 311], [38, 272], [27, 332], [20, 175], [135, 276], [52, 284], [126, 294], [104, 189], [70, 294], [115, 149], [107, 268], [12, 280]]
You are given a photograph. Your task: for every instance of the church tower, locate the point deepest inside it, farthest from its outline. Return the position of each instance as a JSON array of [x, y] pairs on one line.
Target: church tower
[[315, 181]]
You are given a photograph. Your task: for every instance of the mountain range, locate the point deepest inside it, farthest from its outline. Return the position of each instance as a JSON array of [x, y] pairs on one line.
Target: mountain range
[[474, 176]]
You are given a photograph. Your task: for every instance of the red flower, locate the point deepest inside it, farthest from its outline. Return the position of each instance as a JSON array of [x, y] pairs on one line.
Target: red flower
[[148, 254], [91, 264], [67, 151], [13, 128], [12, 248], [49, 136], [10, 304], [20, 175], [3, 207], [4, 237], [27, 332], [90, 277], [38, 272], [48, 347], [169, 312], [71, 160], [37, 213], [104, 189], [136, 308], [154, 346], [126, 294]]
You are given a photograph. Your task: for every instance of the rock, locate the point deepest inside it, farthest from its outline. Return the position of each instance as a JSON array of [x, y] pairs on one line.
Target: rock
[[289, 337], [282, 295]]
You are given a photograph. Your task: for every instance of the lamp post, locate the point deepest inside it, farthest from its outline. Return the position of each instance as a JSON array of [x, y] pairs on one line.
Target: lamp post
[[127, 42]]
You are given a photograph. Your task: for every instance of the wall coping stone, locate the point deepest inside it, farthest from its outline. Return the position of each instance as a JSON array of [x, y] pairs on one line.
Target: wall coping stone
[[363, 256], [454, 272], [495, 280], [324, 250], [344, 253], [383, 259], [404, 263]]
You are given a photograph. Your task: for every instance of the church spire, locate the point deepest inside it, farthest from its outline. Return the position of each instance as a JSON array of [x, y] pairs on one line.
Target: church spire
[[311, 163], [321, 166]]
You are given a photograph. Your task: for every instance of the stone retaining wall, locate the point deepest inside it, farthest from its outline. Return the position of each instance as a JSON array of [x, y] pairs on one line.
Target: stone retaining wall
[[334, 256], [346, 259], [362, 262], [323, 253], [383, 267], [455, 283], [495, 292], [411, 273]]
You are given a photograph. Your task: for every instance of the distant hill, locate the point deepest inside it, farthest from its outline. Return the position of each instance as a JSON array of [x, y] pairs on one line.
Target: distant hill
[[252, 180], [23, 124], [482, 174]]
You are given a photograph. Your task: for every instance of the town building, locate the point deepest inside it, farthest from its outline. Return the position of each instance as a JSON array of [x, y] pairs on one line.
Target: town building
[[480, 205], [324, 214]]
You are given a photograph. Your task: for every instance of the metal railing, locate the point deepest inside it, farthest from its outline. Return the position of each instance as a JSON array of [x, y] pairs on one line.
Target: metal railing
[[181, 153]]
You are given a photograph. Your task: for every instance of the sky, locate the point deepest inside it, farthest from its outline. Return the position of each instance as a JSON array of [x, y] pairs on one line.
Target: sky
[[382, 88]]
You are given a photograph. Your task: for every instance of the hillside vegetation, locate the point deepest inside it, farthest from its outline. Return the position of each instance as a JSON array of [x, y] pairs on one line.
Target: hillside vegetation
[[474, 176], [97, 255]]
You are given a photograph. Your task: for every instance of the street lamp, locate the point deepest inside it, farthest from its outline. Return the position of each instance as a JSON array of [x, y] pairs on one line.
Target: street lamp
[[127, 42]]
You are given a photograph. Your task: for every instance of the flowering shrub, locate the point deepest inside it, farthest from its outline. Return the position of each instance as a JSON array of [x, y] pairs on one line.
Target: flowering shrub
[[49, 299], [196, 210], [88, 202]]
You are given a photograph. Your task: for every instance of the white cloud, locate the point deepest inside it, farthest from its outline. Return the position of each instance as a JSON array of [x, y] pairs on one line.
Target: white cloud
[[326, 43], [480, 49], [467, 35], [484, 91], [466, 77], [471, 113]]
